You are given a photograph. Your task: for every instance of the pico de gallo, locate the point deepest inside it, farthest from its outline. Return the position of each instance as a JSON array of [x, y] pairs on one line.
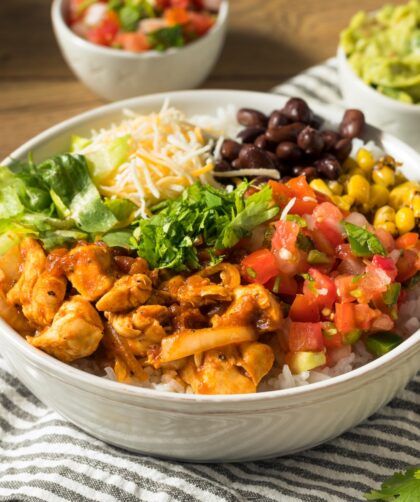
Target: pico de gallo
[[340, 279], [142, 25]]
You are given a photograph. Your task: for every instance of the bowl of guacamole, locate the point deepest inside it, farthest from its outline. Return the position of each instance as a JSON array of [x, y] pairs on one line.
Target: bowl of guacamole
[[383, 49]]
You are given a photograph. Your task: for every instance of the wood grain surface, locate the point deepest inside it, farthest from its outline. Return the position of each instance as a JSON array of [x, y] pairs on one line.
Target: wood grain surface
[[268, 41]]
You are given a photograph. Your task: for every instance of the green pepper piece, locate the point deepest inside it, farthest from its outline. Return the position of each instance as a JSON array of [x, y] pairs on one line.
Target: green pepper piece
[[382, 342]]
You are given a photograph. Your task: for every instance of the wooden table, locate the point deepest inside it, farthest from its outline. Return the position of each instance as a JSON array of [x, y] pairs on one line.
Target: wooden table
[[268, 41]]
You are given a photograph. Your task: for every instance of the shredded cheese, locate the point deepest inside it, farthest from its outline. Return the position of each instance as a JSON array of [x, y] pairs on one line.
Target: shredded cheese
[[167, 154]]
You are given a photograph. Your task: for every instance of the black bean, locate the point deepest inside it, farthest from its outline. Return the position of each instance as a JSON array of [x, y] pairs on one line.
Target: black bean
[[252, 157], [264, 143], [285, 179], [297, 170], [309, 172], [222, 166], [330, 139], [297, 110], [236, 164], [311, 142], [287, 150], [342, 149], [277, 119], [251, 118], [250, 134], [316, 122], [328, 167], [353, 124], [230, 149], [284, 133]]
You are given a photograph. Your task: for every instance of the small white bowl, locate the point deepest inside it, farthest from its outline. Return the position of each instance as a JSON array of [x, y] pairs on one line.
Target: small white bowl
[[199, 427], [391, 115], [118, 74]]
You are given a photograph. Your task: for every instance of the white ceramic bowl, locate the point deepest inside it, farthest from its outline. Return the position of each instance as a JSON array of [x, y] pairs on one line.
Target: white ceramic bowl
[[207, 428], [399, 119], [117, 74]]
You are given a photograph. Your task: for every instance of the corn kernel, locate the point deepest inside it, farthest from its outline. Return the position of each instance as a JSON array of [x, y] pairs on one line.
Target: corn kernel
[[416, 206], [335, 187], [404, 220], [349, 164], [403, 194], [383, 215], [358, 171], [384, 176], [344, 202], [358, 187], [379, 196], [320, 186], [389, 226], [365, 160]]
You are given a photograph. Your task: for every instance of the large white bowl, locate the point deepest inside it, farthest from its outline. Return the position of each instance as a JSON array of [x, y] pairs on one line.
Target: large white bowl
[[391, 115], [118, 74], [207, 428]]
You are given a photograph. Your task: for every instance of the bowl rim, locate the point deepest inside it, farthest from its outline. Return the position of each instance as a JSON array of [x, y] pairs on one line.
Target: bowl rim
[[385, 100], [61, 25], [80, 377]]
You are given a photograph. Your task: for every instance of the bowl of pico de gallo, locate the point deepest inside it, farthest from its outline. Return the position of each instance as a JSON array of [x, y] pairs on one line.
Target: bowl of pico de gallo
[[126, 48]]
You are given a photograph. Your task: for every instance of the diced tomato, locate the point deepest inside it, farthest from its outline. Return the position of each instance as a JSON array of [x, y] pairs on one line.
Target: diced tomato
[[345, 284], [105, 32], [321, 197], [382, 323], [372, 284], [327, 219], [304, 309], [305, 196], [322, 288], [290, 259], [407, 265], [365, 315], [305, 337], [334, 341], [281, 193], [260, 266], [386, 239], [322, 243], [407, 241], [386, 264], [176, 15], [75, 10], [199, 23], [345, 317], [133, 42], [283, 285]]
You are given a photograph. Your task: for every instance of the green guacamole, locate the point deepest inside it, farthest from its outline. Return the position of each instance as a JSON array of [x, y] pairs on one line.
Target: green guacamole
[[384, 50]]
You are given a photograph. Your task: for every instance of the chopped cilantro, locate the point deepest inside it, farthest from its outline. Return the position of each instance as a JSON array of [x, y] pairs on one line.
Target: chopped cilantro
[[316, 257], [165, 38], [401, 487], [215, 218], [363, 242]]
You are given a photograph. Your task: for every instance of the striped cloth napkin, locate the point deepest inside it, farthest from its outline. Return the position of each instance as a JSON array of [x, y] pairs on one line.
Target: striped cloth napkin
[[45, 458]]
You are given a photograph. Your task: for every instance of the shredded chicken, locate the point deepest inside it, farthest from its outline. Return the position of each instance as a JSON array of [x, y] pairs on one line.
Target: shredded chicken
[[252, 304], [75, 332], [142, 327], [127, 293], [40, 289], [229, 370], [89, 268]]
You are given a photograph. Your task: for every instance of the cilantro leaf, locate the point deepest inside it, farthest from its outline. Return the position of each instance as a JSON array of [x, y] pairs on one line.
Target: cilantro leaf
[[401, 487], [363, 242], [165, 38]]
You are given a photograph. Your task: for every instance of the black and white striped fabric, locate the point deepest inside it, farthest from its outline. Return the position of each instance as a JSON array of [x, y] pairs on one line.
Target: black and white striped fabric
[[44, 458]]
